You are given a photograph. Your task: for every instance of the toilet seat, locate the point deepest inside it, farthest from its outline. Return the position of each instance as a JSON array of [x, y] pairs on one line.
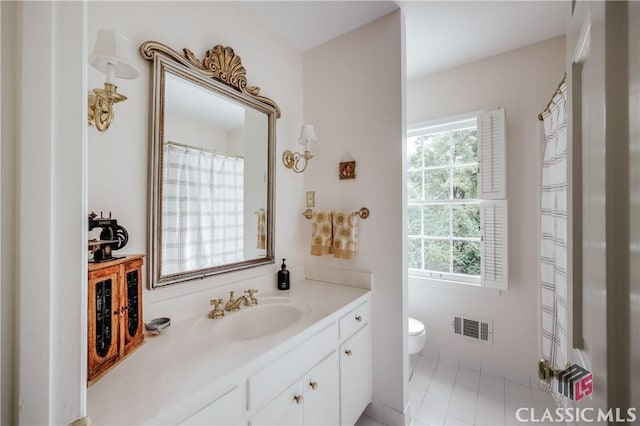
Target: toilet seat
[[415, 327]]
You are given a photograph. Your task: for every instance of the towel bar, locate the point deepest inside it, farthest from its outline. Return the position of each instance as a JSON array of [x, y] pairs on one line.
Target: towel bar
[[363, 213]]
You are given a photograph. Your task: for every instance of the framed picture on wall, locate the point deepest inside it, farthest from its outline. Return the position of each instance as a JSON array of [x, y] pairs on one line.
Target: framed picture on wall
[[347, 170]]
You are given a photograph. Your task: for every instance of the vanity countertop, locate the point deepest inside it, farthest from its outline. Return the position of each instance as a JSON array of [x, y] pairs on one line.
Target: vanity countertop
[[172, 367]]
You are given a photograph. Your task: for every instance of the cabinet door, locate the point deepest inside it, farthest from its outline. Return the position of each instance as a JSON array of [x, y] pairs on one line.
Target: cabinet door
[[355, 376], [286, 409], [223, 411], [321, 398], [103, 311], [132, 327]]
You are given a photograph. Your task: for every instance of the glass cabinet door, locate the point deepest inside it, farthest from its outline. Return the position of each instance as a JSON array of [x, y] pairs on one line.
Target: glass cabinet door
[[103, 313], [132, 304]]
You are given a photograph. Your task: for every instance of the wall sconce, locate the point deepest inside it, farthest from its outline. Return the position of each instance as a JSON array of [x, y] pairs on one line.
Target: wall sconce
[[292, 160], [112, 56]]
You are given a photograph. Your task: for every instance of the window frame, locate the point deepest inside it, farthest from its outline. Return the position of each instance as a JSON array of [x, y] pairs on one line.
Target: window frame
[[491, 124], [449, 124]]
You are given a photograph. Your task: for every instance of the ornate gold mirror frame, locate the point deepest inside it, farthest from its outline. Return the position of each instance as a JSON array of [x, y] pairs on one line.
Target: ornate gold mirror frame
[[222, 72]]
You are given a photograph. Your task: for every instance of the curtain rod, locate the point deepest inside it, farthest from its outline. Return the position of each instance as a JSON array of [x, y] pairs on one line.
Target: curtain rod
[[199, 148], [557, 92]]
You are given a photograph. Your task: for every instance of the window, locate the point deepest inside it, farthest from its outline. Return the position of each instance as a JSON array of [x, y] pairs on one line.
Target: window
[[456, 207], [443, 206]]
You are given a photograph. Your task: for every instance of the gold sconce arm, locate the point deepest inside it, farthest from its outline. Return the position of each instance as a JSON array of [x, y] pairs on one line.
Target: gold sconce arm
[[292, 160], [100, 108]]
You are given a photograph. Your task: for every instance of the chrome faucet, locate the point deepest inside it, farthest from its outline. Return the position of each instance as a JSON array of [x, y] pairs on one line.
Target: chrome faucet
[[234, 304]]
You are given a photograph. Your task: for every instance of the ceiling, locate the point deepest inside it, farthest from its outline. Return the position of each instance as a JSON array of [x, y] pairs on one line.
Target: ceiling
[[439, 34]]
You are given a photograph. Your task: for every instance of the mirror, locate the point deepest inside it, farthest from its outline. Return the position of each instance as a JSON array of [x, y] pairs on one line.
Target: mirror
[[211, 166]]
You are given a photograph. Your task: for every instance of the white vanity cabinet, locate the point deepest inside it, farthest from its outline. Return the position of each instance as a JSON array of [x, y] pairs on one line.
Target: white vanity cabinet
[[311, 400], [355, 364], [225, 410], [285, 410], [321, 398], [301, 375]]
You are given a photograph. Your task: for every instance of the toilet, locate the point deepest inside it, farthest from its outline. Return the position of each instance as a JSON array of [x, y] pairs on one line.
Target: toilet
[[417, 336], [417, 339]]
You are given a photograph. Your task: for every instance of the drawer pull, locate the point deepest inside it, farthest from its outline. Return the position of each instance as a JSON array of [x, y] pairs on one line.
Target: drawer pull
[[313, 385], [358, 318], [298, 399], [348, 352]]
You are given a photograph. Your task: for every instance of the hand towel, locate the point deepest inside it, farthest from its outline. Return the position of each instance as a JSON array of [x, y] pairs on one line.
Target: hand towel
[[262, 229], [322, 235], [345, 235]]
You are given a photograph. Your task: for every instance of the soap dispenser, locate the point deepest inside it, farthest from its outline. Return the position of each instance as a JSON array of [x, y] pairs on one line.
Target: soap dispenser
[[283, 277]]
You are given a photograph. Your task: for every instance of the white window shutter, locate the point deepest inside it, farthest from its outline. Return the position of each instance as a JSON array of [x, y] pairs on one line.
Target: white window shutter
[[494, 254], [492, 179]]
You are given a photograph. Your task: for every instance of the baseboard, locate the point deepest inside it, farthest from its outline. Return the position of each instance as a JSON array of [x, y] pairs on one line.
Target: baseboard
[[375, 410], [386, 415]]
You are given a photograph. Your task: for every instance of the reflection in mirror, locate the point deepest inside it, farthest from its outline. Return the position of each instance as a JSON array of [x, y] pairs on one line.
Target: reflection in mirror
[[212, 169], [214, 179]]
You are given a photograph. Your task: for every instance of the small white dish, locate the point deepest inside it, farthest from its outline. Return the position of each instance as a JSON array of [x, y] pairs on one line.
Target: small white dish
[[158, 325]]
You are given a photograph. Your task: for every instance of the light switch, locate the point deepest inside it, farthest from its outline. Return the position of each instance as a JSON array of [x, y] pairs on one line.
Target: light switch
[[311, 198]]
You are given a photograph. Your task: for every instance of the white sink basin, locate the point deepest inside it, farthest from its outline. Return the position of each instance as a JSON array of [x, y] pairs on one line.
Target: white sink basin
[[271, 315]]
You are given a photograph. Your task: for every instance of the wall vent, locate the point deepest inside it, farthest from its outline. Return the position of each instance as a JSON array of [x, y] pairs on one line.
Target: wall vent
[[473, 328]]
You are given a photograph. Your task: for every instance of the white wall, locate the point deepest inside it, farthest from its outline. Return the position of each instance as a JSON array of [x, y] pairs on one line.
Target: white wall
[[187, 131], [118, 157], [7, 227], [353, 96], [43, 237], [256, 127], [522, 81]]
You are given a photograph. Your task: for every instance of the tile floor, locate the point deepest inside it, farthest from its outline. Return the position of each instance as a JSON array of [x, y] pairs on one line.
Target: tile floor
[[446, 394]]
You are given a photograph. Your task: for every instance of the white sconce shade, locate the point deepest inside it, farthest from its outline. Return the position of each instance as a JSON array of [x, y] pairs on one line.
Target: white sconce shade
[[296, 161], [307, 135], [113, 49], [112, 55]]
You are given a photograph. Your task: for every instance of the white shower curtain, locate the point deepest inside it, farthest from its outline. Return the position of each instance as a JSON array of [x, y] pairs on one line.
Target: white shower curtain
[[202, 209], [553, 233]]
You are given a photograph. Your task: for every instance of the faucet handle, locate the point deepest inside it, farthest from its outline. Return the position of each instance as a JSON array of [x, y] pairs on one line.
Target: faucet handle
[[252, 299], [216, 312]]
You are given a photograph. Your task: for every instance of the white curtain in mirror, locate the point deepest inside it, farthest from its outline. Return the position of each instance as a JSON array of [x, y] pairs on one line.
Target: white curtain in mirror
[[202, 209]]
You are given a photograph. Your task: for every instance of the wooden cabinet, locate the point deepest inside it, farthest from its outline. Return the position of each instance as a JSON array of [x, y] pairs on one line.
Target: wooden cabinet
[[114, 313]]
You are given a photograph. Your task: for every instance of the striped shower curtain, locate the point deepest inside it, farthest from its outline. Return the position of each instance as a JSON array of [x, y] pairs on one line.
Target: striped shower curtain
[[553, 233], [202, 209]]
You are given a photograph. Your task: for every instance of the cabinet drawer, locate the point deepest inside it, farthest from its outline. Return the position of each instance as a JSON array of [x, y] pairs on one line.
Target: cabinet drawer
[[355, 319], [223, 411], [276, 376]]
